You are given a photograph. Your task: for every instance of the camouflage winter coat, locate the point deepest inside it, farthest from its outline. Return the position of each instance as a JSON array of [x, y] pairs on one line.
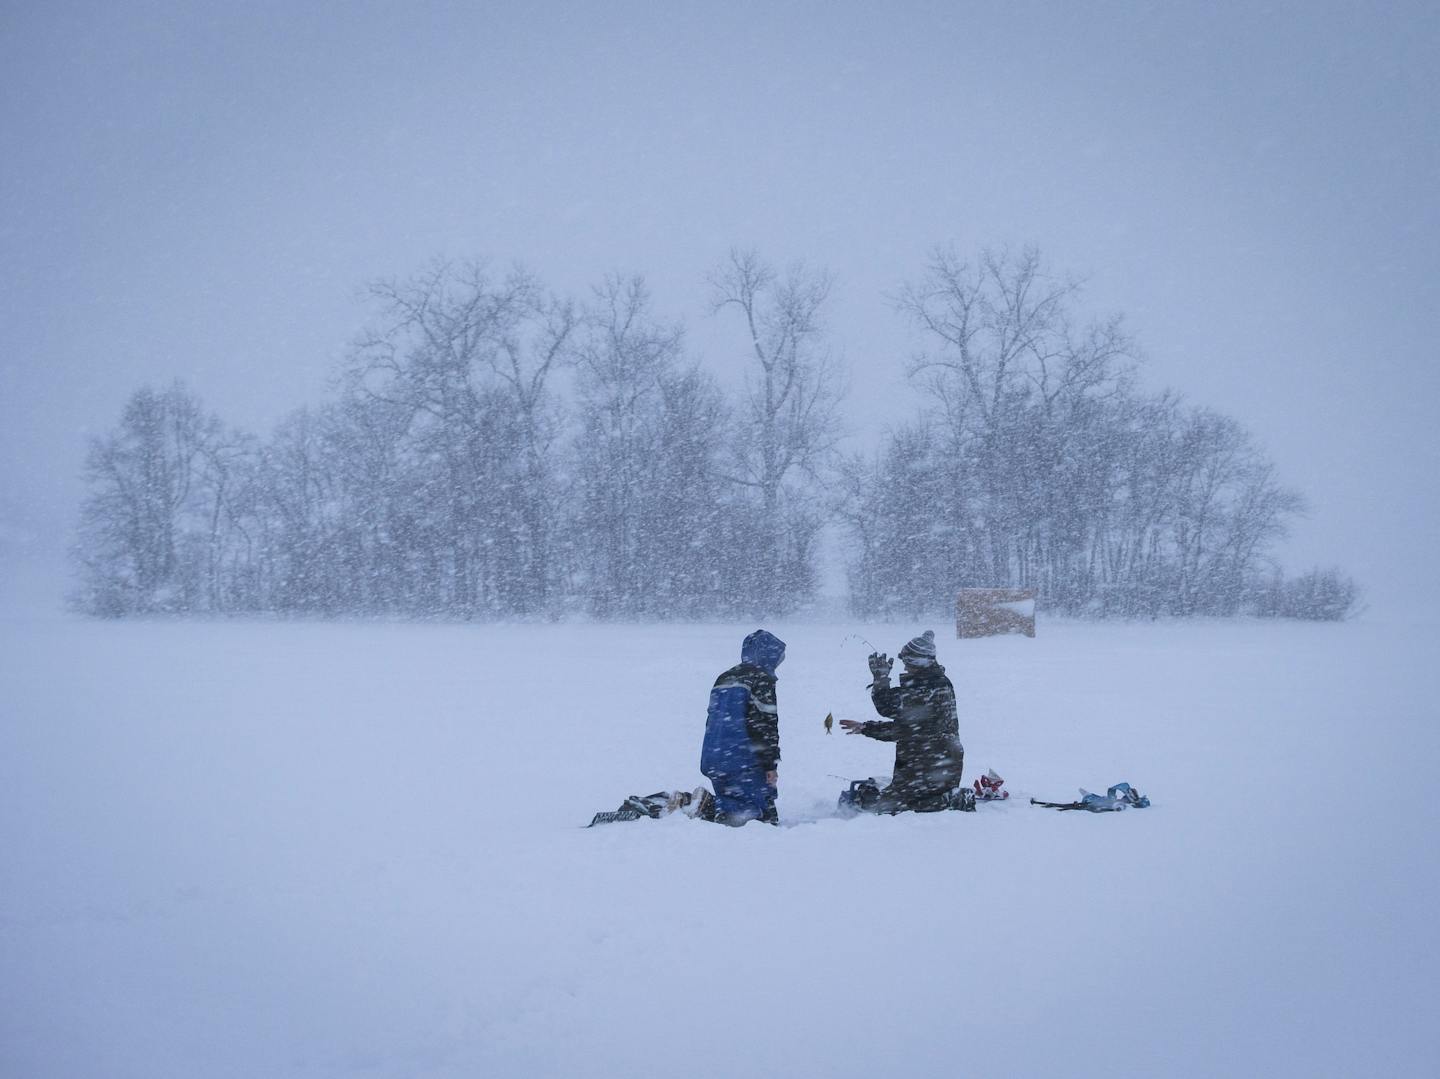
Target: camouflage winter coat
[[922, 722]]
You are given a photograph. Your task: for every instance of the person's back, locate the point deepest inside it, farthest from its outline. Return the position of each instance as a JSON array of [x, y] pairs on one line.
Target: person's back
[[741, 751]]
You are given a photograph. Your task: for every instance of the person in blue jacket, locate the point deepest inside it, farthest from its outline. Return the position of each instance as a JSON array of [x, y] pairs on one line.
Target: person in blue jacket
[[741, 752]]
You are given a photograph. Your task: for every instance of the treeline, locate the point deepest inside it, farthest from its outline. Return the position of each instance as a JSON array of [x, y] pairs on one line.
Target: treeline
[[500, 451]]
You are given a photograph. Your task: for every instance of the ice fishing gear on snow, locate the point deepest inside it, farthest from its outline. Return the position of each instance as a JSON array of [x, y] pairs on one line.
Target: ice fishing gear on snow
[[961, 798], [862, 797], [702, 805], [990, 788], [698, 803], [867, 796], [1120, 796]]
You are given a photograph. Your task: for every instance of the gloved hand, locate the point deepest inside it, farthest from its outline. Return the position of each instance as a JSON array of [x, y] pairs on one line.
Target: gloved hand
[[880, 665]]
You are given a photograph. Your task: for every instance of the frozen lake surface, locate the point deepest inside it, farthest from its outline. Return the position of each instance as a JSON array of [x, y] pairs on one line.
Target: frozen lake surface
[[304, 849]]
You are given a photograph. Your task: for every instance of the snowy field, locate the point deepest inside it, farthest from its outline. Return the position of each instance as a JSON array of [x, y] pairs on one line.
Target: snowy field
[[299, 849]]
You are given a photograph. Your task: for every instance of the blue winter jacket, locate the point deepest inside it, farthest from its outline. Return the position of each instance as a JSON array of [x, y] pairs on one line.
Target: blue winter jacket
[[742, 726]]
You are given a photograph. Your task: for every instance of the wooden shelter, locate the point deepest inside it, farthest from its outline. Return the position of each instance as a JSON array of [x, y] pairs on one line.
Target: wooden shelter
[[988, 612]]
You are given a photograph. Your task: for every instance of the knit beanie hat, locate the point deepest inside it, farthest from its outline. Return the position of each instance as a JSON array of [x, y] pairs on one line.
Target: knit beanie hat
[[920, 651]]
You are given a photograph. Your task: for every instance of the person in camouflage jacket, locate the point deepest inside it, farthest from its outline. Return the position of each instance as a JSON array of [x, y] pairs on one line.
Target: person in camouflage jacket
[[920, 718]]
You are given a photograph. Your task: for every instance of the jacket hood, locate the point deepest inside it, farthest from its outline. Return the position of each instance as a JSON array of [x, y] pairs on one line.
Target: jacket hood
[[764, 650]]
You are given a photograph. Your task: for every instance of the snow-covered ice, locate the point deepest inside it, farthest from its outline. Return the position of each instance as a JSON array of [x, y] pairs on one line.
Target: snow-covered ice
[[303, 849]]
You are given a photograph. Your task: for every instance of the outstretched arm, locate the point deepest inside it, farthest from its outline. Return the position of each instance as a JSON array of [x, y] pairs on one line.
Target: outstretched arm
[[875, 728]]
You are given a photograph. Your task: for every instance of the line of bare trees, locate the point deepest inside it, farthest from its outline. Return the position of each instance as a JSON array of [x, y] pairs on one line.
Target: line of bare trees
[[1036, 461], [497, 451]]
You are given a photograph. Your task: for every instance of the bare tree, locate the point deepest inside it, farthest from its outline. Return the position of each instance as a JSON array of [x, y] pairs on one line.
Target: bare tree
[[788, 428], [1228, 506], [471, 359], [1044, 467], [144, 480], [1011, 374], [625, 360]]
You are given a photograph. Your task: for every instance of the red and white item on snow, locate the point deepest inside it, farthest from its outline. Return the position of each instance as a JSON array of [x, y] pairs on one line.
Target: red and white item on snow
[[990, 788]]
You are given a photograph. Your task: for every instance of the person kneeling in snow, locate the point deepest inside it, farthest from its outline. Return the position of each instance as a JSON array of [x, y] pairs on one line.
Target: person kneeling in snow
[[922, 723], [741, 751]]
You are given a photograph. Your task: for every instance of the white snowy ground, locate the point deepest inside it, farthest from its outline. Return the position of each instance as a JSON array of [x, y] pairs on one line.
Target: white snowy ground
[[298, 849]]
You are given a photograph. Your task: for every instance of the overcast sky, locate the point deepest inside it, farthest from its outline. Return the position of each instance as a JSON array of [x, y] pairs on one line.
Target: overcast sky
[[200, 190]]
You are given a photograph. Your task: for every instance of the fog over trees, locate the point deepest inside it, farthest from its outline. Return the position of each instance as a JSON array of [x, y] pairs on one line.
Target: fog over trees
[[495, 450]]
